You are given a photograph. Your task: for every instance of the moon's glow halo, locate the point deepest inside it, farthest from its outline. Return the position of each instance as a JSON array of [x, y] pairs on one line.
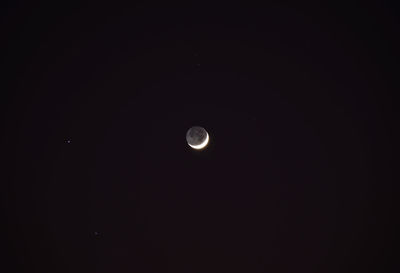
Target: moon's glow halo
[[202, 145]]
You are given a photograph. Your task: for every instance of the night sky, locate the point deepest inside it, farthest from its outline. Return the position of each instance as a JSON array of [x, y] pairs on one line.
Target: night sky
[[298, 101]]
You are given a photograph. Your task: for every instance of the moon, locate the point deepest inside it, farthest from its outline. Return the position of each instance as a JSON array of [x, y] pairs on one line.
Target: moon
[[197, 137]]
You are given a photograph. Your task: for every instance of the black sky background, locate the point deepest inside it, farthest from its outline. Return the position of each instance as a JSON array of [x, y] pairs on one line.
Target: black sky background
[[298, 102]]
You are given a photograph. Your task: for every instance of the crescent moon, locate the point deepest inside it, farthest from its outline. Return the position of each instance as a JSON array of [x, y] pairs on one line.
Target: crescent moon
[[202, 145]]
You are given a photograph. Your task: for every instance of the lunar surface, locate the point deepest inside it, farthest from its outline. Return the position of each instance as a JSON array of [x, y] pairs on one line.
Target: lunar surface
[[197, 137]]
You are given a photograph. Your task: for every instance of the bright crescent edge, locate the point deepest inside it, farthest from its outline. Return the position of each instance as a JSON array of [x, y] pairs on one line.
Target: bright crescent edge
[[202, 145]]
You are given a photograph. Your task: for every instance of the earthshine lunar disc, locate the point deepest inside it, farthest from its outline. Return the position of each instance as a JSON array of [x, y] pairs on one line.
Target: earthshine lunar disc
[[197, 137]]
